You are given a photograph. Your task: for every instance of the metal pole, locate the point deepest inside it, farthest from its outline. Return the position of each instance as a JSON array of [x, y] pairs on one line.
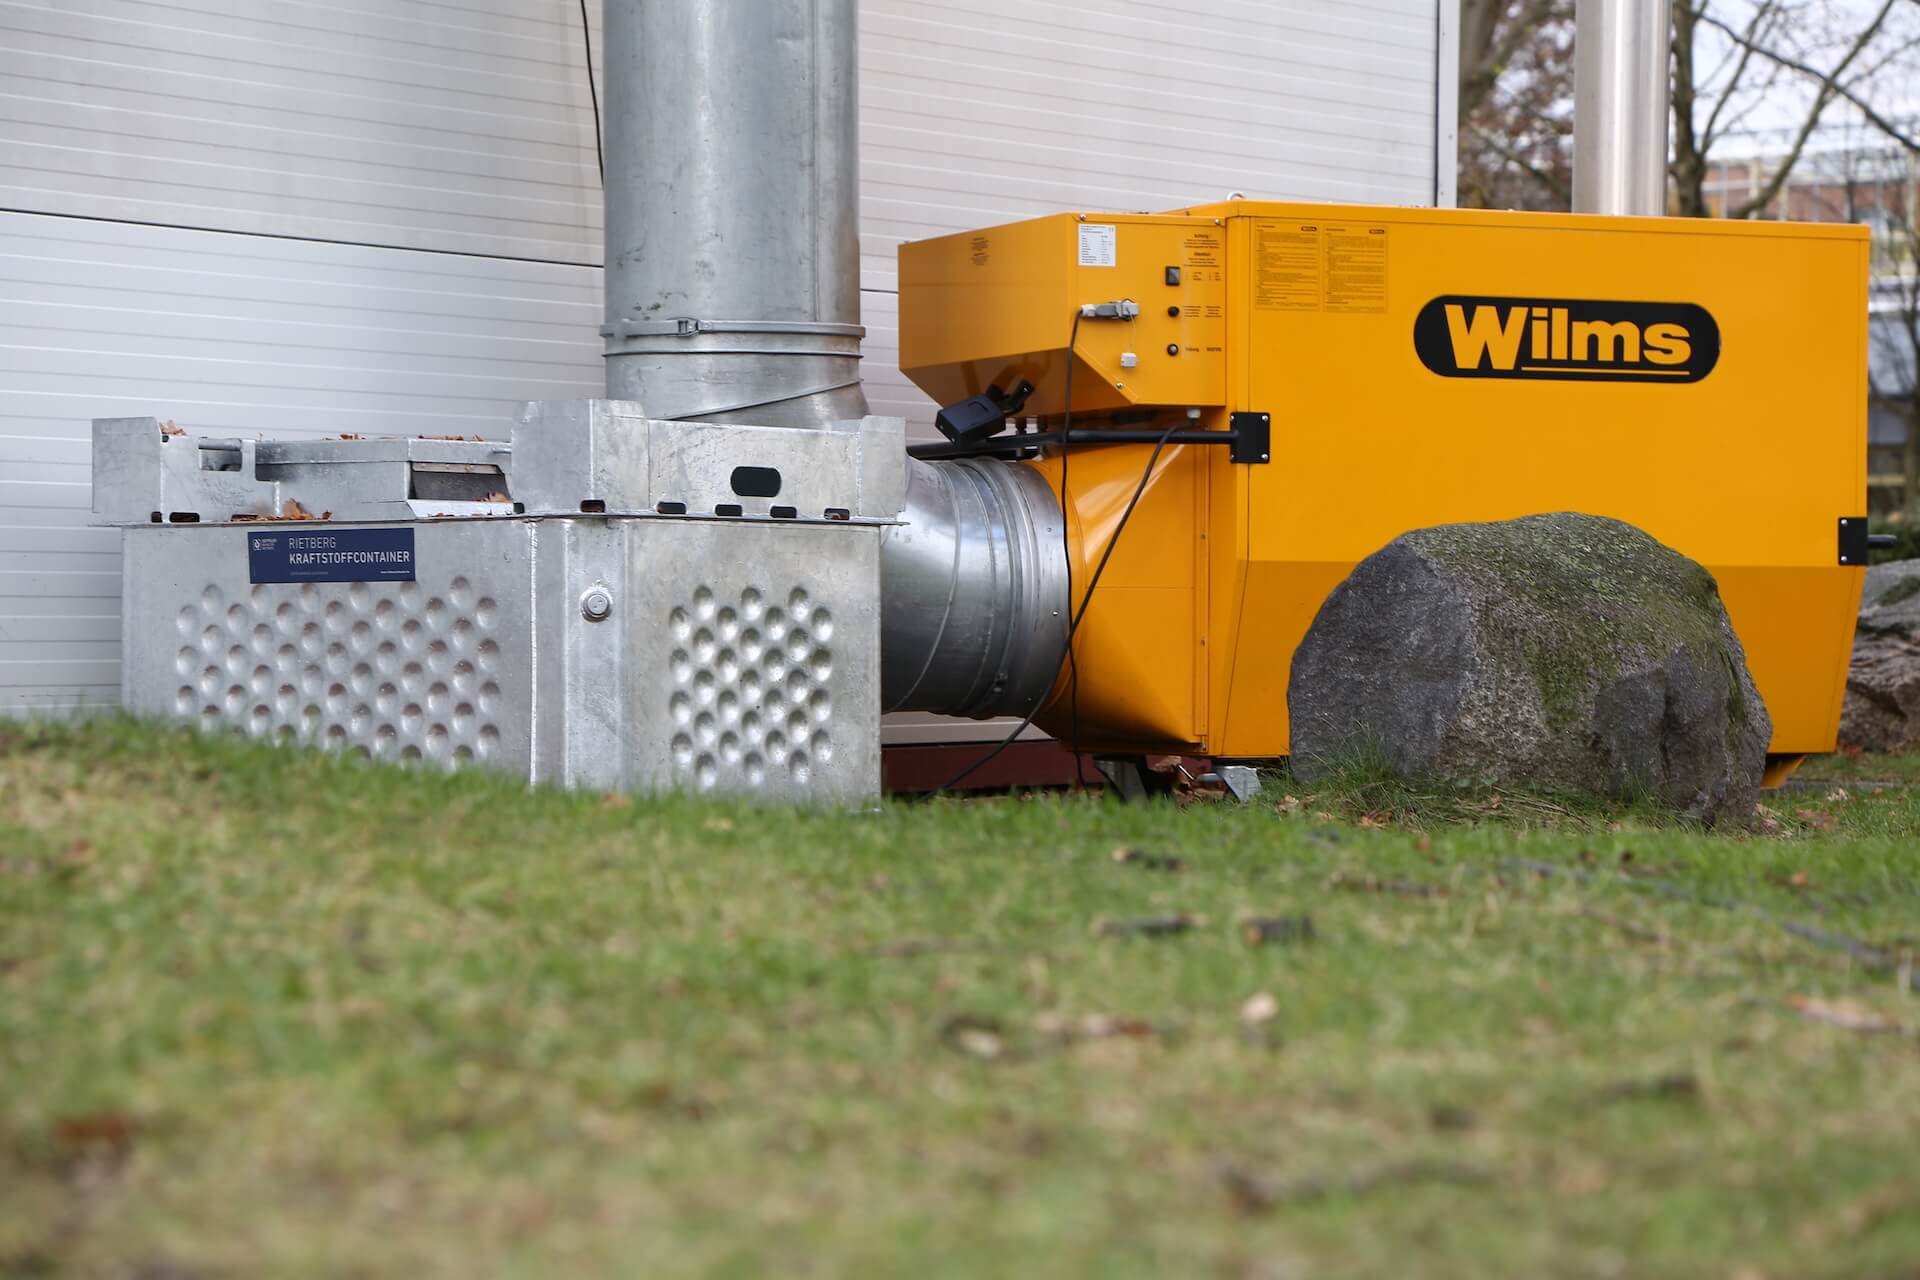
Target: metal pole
[[1620, 87], [732, 189]]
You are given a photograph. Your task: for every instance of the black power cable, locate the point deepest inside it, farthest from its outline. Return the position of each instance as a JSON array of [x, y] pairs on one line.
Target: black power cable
[[1073, 622], [593, 92]]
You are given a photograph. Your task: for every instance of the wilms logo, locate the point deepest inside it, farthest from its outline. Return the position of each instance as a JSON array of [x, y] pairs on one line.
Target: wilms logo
[[1573, 339]]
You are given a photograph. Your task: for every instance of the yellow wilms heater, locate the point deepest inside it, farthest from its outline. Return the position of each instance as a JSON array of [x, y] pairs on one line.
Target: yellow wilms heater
[[1326, 378]]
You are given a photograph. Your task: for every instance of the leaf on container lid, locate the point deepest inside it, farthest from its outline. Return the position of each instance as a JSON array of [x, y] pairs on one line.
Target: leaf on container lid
[[170, 428], [496, 497], [1848, 1015]]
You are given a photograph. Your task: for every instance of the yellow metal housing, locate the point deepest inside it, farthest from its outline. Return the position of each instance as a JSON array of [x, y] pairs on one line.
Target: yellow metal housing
[[1563, 371]]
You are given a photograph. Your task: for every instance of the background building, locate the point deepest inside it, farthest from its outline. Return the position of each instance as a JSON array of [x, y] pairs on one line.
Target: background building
[[382, 216]]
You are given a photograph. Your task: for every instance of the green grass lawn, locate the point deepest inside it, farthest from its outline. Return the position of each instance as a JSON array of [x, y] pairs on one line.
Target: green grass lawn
[[264, 1013]]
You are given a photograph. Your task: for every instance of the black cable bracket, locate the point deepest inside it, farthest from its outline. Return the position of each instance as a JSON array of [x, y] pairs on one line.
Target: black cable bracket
[[1250, 441]]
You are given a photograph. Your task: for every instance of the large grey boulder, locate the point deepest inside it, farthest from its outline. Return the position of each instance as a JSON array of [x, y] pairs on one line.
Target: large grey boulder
[[1882, 710], [1561, 652]]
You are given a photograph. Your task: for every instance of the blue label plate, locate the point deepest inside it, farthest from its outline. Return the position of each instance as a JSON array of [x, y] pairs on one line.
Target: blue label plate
[[330, 555]]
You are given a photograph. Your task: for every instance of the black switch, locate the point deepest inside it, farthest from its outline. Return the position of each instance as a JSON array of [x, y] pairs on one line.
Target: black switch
[[1173, 275]]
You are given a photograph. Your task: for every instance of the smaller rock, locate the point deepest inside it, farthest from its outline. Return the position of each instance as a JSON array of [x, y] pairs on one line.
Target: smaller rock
[[1882, 710]]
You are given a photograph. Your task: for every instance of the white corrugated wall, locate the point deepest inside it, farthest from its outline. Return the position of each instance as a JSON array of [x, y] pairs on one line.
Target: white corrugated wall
[[382, 216]]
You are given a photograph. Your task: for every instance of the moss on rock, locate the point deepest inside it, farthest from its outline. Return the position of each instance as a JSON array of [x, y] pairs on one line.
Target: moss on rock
[[1563, 650]]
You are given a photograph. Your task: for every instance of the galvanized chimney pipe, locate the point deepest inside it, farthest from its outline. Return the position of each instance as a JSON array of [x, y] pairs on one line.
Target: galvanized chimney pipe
[[1620, 88], [733, 295], [732, 189]]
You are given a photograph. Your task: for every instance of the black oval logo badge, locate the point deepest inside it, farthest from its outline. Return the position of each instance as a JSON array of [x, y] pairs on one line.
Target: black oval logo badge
[[1572, 339]]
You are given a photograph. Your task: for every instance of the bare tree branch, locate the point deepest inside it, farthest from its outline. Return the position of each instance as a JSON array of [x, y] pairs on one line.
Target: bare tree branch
[[1830, 88], [1545, 178], [1762, 13], [1829, 81], [1487, 46]]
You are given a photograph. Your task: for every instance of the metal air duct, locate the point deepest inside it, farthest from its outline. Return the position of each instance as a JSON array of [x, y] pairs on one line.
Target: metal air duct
[[1620, 87], [973, 586], [732, 186]]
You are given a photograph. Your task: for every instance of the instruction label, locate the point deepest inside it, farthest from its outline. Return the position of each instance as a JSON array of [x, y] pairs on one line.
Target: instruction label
[[1099, 244], [1286, 266], [1356, 275], [332, 555], [1309, 266]]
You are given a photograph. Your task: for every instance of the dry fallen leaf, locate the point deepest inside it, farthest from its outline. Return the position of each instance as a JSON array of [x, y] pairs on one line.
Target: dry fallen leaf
[[1818, 819], [1259, 1008], [1373, 821], [1837, 796], [1848, 1015], [1092, 1026], [1289, 804], [974, 1036]]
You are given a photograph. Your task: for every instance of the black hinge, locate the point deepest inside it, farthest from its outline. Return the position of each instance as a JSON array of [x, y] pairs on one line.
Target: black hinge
[[1853, 540], [1252, 438]]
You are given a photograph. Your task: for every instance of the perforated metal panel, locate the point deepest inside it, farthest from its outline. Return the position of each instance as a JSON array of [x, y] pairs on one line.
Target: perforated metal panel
[[737, 656], [405, 672]]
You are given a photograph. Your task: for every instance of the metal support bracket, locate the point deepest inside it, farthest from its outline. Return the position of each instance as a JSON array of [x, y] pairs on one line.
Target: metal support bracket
[[1856, 542], [1252, 438]]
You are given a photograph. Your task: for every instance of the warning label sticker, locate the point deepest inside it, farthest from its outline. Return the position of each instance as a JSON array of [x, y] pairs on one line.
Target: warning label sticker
[[1304, 266], [1356, 271], [1099, 243], [1286, 266]]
